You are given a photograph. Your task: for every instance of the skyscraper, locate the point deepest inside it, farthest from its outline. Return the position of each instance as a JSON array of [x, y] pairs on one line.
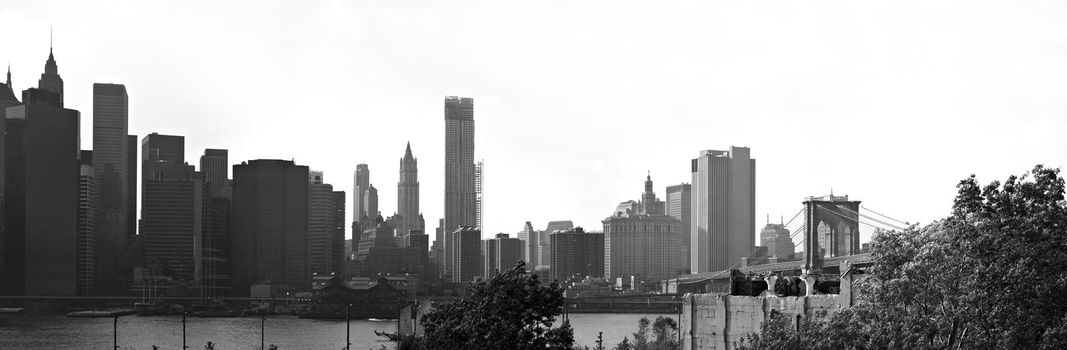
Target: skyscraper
[[50, 79], [479, 172], [678, 206], [41, 200], [338, 245], [408, 195], [86, 225], [723, 209], [172, 223], [365, 196], [645, 245], [269, 225], [576, 253], [131, 185], [467, 260], [321, 225], [215, 169], [500, 253], [529, 245], [776, 238], [459, 171], [158, 151], [110, 160], [214, 164]]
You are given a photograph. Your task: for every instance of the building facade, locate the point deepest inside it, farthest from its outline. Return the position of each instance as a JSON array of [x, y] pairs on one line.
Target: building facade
[[270, 225], [775, 237], [678, 206], [723, 209], [576, 253], [41, 175], [110, 152], [459, 204], [408, 195], [322, 226], [500, 253], [86, 225], [466, 252]]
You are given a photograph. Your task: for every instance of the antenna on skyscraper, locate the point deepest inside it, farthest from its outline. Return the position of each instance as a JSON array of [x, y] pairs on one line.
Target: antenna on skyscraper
[[51, 28]]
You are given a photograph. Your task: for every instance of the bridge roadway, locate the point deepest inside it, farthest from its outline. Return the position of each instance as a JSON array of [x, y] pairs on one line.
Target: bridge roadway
[[830, 265]]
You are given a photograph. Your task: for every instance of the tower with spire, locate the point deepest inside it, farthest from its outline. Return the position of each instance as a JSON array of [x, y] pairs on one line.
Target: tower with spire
[[408, 195], [50, 79], [650, 205]]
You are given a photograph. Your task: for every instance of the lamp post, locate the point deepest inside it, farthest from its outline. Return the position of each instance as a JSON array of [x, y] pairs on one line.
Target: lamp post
[[348, 327], [115, 332], [184, 314], [262, 328]]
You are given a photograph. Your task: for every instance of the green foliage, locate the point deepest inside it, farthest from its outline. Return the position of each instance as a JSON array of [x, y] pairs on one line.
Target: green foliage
[[513, 310], [992, 275], [663, 335]]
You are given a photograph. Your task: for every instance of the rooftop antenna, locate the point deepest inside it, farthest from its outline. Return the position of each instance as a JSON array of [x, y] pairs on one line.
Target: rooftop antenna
[[51, 28]]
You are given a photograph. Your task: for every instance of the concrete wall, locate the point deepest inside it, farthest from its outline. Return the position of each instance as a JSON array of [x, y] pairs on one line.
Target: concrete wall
[[721, 321]]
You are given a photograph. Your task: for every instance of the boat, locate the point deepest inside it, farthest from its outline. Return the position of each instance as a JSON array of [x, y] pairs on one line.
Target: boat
[[102, 313], [154, 308], [11, 310]]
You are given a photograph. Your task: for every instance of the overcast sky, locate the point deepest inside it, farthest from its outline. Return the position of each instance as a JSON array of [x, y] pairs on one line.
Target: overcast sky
[[891, 103]]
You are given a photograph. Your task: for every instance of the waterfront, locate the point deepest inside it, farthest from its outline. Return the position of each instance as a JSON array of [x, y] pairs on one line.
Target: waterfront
[[288, 332]]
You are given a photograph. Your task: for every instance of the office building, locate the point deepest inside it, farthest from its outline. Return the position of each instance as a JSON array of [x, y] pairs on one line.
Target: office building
[[529, 245], [86, 225], [158, 151], [214, 164], [466, 253], [644, 246], [479, 172], [110, 152], [131, 185], [678, 206], [322, 226], [500, 254], [41, 175], [723, 209], [172, 226], [338, 249], [775, 237], [576, 254], [215, 170], [459, 204], [270, 225], [365, 196]]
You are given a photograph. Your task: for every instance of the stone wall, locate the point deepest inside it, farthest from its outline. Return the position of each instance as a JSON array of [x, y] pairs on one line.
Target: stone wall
[[721, 321]]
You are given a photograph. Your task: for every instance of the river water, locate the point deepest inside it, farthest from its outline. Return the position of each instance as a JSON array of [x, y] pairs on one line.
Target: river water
[[288, 332]]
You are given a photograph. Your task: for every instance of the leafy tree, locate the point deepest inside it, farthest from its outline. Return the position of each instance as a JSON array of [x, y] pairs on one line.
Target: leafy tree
[[663, 335], [989, 276], [512, 310]]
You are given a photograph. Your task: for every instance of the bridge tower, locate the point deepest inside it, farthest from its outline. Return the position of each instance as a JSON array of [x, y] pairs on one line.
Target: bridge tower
[[831, 225]]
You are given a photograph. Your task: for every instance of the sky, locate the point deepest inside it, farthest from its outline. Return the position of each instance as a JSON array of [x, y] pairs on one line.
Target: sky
[[891, 103]]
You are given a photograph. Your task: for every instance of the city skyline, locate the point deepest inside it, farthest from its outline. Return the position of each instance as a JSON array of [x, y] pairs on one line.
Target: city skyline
[[882, 144]]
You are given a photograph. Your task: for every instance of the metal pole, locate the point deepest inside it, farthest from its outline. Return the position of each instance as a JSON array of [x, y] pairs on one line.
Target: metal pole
[[262, 328], [183, 330], [115, 332], [348, 327]]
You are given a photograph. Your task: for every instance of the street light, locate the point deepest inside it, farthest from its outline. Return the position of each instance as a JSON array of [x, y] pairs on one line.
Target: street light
[[348, 327], [184, 314]]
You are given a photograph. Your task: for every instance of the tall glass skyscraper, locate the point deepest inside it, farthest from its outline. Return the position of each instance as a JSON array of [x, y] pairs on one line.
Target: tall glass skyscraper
[[723, 209], [459, 170], [111, 176]]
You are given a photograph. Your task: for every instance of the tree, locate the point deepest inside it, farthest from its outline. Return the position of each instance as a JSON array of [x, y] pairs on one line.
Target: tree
[[512, 310], [663, 335], [989, 276]]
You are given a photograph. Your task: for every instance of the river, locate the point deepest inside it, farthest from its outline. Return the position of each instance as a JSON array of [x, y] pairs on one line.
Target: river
[[288, 332]]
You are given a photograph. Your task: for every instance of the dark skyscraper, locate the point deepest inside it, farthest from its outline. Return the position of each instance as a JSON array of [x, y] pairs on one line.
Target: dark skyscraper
[[459, 170], [467, 252], [160, 150], [214, 168], [110, 152], [41, 200], [270, 202], [172, 223], [322, 225], [338, 250], [576, 253], [214, 164], [50, 79], [365, 196], [86, 225], [723, 209], [408, 195], [678, 206], [131, 185]]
